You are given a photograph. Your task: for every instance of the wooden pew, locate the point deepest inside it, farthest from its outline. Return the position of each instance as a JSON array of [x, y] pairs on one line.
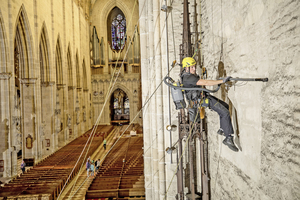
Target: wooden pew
[[47, 178]]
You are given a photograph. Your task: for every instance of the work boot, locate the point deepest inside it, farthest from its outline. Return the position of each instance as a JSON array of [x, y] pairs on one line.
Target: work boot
[[229, 142], [221, 132]]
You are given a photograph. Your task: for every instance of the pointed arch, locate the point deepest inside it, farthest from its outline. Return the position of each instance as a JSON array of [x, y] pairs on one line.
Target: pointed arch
[[78, 81], [3, 46], [109, 6], [23, 49], [122, 87], [44, 55], [121, 111], [70, 71], [58, 62], [84, 75], [116, 29], [125, 89], [96, 47]]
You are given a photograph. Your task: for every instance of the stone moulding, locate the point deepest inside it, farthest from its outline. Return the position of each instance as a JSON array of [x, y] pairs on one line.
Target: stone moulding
[[71, 87], [27, 81], [46, 84], [60, 86], [5, 76]]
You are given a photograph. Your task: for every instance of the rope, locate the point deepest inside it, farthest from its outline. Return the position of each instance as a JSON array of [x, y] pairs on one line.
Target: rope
[[173, 34], [221, 53]]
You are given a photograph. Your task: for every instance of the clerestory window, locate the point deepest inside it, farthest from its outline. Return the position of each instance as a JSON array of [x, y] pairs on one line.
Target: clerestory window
[[118, 30]]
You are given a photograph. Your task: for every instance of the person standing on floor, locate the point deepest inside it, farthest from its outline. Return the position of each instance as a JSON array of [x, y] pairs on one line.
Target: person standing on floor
[[88, 166], [23, 165], [104, 144], [92, 168], [98, 165]]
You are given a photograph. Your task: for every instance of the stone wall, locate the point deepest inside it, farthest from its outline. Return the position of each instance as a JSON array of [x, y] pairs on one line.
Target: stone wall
[[39, 109], [260, 39]]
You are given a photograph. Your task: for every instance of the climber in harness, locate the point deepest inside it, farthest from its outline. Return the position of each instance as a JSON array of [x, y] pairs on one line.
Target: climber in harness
[[190, 79]]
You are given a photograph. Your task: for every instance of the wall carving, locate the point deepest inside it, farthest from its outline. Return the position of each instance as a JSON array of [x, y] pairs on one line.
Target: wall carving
[[69, 120], [29, 141]]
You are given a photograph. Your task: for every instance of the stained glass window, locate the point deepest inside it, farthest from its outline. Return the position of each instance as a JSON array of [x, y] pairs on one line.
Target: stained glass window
[[118, 29]]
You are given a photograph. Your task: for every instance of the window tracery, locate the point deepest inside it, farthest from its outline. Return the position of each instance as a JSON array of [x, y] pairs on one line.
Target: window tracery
[[118, 30]]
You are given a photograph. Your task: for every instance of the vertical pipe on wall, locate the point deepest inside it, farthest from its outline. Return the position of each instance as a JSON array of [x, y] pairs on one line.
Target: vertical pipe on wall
[[167, 49]]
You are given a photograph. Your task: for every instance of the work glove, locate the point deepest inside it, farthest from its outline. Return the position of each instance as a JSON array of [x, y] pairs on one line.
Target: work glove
[[226, 79]]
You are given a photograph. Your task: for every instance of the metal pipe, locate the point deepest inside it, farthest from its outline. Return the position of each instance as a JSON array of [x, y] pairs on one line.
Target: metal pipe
[[180, 169], [167, 49], [191, 161]]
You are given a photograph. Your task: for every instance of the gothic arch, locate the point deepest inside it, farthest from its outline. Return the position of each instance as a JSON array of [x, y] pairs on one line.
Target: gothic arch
[[116, 29], [60, 92], [127, 91], [78, 78], [23, 46], [3, 47], [124, 88], [69, 67], [58, 62], [130, 97], [85, 87], [108, 8], [44, 55]]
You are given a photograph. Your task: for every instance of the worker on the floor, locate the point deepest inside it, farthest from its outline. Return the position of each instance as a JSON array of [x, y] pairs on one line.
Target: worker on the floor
[[88, 166], [97, 165], [92, 168], [23, 165], [196, 97], [104, 144]]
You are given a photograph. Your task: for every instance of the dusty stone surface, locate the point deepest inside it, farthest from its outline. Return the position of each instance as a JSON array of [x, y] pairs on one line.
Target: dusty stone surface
[[261, 39]]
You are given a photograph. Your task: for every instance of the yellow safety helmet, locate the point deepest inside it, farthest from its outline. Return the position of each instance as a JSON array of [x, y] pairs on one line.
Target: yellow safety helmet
[[188, 61]]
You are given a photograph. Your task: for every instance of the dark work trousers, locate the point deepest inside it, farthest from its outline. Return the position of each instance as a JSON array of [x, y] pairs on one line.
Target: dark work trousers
[[221, 108]]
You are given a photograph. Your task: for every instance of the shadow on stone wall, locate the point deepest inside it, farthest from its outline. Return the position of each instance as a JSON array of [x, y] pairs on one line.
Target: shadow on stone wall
[[233, 113]]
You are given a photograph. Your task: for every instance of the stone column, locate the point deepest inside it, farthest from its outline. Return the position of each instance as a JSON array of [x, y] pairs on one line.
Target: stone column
[[31, 145], [47, 131], [8, 151], [71, 117], [85, 110], [78, 111], [145, 58], [60, 120], [157, 117]]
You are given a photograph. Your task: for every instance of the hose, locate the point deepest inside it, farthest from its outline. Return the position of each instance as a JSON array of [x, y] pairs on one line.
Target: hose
[[167, 78]]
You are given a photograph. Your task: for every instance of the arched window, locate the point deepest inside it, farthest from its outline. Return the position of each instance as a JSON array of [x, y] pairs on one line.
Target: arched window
[[58, 64], [44, 61], [70, 73], [118, 29]]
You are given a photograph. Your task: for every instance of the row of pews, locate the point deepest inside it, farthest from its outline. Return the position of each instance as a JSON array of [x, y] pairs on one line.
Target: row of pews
[[121, 175], [47, 178]]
